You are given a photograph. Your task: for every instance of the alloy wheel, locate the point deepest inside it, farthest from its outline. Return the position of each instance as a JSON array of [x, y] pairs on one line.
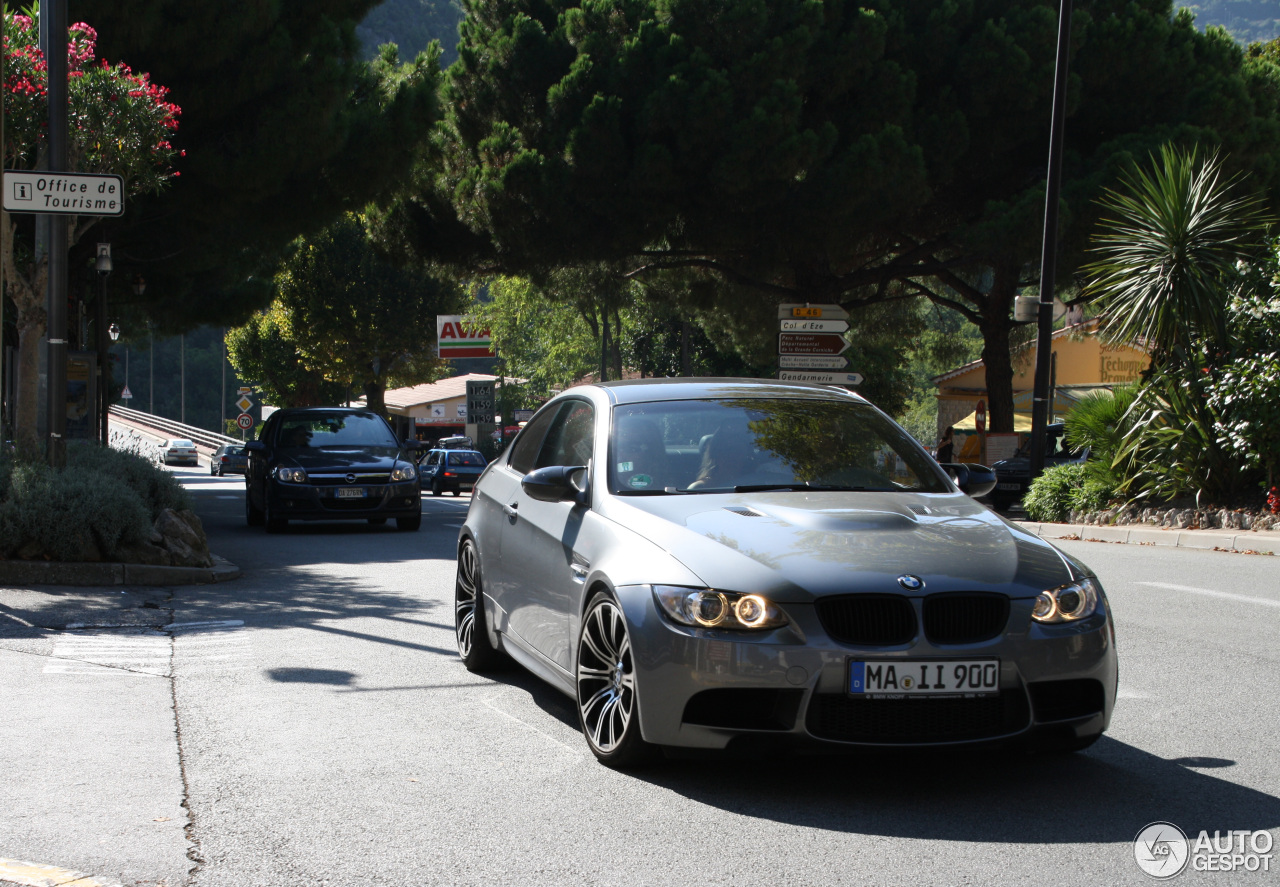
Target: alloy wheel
[[606, 682]]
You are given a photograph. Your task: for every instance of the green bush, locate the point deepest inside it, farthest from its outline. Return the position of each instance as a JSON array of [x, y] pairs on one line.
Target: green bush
[[1066, 488], [103, 500]]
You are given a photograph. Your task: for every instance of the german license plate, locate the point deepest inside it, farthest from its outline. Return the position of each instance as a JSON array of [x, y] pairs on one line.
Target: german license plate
[[351, 492], [1008, 486], [932, 677]]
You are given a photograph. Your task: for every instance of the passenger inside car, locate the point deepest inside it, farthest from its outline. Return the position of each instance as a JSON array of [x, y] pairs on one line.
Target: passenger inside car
[[642, 455], [295, 436], [726, 460]]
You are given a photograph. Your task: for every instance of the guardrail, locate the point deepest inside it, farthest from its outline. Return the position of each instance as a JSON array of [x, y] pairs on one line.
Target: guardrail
[[170, 428]]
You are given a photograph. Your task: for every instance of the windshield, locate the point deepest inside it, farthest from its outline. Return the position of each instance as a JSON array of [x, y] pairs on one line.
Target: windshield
[[336, 430], [747, 444]]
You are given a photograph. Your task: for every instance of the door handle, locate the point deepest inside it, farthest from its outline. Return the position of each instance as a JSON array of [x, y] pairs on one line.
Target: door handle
[[510, 510]]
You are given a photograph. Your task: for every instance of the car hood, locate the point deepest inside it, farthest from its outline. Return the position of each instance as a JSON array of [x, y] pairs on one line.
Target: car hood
[[320, 459], [797, 546]]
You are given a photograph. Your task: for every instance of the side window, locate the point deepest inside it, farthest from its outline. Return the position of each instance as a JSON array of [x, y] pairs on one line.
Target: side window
[[570, 440], [433, 457], [525, 450]]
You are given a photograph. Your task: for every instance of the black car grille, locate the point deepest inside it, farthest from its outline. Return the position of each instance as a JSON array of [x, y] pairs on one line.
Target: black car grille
[[334, 480], [965, 618], [839, 718], [879, 620]]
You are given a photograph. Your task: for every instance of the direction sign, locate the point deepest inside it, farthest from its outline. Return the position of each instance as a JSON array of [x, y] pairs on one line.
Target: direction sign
[[813, 326], [807, 311], [812, 362], [811, 343], [821, 378], [63, 193], [244, 403], [245, 421]]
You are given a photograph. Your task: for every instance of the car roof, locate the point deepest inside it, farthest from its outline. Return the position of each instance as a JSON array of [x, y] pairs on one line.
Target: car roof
[[644, 390]]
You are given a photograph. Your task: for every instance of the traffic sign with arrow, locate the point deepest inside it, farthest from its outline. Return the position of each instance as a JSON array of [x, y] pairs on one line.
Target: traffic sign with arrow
[[811, 343], [812, 326], [821, 378], [807, 311], [812, 362]]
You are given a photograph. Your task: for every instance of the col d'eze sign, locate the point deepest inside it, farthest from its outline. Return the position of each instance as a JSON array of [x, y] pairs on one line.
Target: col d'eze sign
[[456, 337], [63, 193]]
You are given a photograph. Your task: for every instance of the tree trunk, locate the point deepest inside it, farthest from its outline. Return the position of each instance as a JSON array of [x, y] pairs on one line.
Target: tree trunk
[[997, 322], [26, 287], [374, 391]]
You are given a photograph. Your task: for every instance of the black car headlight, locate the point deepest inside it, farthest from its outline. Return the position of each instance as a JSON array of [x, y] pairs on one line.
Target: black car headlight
[[708, 608], [291, 475], [1067, 603], [402, 473]]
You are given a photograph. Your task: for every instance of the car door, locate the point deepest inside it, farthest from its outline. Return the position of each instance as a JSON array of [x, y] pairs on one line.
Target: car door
[[538, 541]]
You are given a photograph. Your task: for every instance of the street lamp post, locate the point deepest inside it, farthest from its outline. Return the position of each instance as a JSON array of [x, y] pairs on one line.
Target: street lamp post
[[139, 287], [103, 266]]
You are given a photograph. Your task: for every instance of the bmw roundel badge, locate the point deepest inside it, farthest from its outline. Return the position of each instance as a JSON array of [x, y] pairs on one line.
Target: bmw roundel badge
[[911, 583]]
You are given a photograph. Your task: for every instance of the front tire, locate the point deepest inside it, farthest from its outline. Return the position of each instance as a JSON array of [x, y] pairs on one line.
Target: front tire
[[275, 523], [252, 516], [607, 707], [471, 628], [437, 489]]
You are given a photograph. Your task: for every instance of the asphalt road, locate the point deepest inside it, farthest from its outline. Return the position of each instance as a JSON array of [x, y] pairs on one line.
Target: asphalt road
[[311, 724]]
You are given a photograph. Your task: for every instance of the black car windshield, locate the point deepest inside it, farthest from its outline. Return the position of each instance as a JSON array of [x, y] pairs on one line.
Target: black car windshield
[[760, 444], [336, 430]]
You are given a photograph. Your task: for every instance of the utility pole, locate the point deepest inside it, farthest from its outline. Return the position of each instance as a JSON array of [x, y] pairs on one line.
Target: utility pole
[[53, 42], [1049, 252]]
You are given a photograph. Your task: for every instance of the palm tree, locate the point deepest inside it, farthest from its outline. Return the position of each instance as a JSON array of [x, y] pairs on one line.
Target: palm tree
[[1170, 240]]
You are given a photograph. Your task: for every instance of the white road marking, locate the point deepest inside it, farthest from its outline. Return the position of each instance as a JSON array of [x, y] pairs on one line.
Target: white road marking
[[487, 704], [1208, 592], [101, 653]]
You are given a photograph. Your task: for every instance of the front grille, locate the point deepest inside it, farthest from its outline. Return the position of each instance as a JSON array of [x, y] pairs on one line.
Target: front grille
[[965, 618], [839, 718], [336, 480], [876, 620]]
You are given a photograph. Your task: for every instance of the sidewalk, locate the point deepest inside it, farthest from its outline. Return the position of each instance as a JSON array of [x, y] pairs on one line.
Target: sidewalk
[[1253, 541]]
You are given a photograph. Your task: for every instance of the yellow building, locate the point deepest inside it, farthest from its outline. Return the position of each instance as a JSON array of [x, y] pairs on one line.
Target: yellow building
[[1081, 362]]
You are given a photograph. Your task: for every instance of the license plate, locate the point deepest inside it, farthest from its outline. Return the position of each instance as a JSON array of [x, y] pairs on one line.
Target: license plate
[[351, 493], [1008, 486], [932, 677]]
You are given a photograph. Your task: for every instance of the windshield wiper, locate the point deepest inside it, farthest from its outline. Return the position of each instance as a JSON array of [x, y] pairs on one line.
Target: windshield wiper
[[793, 486]]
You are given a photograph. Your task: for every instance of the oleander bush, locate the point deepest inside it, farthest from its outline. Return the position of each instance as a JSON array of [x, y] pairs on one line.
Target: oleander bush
[[101, 501], [1063, 489]]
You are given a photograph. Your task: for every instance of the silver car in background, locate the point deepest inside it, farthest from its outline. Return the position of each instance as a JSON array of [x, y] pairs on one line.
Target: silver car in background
[[700, 563]]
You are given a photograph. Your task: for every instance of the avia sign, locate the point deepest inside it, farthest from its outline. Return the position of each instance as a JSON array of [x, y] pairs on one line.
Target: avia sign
[[455, 337]]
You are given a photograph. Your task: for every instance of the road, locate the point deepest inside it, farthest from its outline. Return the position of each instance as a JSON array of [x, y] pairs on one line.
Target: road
[[310, 724]]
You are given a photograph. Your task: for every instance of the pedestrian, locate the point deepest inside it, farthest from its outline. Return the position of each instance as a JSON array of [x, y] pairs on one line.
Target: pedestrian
[[945, 445]]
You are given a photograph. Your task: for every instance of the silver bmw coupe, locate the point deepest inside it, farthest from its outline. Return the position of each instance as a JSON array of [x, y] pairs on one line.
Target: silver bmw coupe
[[700, 562]]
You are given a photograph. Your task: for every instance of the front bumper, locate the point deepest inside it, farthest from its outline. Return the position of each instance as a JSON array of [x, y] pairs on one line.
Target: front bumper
[[704, 689], [313, 502]]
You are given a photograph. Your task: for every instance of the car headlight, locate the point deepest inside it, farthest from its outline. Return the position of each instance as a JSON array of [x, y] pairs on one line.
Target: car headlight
[[708, 608], [403, 472], [1067, 603], [291, 475]]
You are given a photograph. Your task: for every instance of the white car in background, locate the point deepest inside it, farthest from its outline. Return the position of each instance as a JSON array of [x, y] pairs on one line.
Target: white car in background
[[178, 452]]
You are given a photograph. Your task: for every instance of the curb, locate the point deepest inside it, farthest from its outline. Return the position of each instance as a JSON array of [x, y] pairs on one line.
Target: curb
[[63, 573], [1257, 542]]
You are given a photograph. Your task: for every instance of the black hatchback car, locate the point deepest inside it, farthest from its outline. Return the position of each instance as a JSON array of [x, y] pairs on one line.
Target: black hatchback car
[[331, 463], [452, 470]]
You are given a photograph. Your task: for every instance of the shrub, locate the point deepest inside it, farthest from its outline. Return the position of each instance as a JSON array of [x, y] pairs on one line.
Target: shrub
[[158, 488], [1066, 488]]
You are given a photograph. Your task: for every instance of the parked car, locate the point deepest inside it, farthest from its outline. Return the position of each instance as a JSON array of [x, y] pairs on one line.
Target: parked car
[[451, 471], [229, 459], [178, 451], [1013, 475], [809, 575], [331, 463]]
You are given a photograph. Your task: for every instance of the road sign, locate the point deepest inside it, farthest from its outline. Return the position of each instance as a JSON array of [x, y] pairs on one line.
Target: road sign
[[807, 311], [246, 391], [244, 403], [811, 343], [480, 402], [63, 193], [821, 378], [813, 326], [245, 421], [126, 394], [812, 362]]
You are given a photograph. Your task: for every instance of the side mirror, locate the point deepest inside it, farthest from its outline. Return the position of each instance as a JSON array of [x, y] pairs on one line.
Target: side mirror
[[973, 480], [255, 446], [558, 483]]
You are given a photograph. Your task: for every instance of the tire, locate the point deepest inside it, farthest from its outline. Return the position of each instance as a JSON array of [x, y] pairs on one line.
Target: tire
[[608, 710], [377, 521], [470, 625], [252, 516], [437, 489], [409, 524], [275, 523], [457, 492]]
